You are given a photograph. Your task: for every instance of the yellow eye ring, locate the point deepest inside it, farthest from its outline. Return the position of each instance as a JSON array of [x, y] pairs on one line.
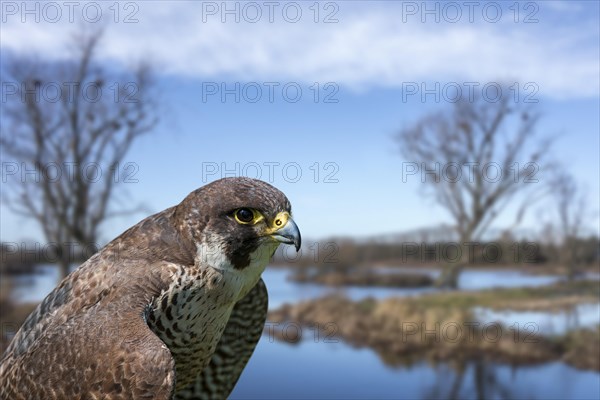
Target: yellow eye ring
[[247, 216], [244, 215]]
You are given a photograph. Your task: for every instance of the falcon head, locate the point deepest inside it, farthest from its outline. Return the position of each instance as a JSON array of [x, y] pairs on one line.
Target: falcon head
[[238, 223]]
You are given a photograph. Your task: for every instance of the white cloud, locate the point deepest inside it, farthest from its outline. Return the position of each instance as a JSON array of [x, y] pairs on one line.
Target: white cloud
[[369, 47], [563, 6]]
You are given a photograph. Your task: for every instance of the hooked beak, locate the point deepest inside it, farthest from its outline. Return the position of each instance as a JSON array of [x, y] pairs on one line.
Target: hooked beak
[[288, 234]]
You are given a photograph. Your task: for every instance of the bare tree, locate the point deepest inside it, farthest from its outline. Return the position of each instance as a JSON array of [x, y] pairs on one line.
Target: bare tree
[[571, 208], [66, 128], [474, 159]]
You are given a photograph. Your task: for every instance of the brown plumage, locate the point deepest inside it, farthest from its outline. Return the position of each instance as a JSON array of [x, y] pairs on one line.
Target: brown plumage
[[172, 308]]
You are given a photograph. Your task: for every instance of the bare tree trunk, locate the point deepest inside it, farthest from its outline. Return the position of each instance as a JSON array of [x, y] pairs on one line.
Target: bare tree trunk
[[451, 272], [449, 276], [571, 207], [571, 262]]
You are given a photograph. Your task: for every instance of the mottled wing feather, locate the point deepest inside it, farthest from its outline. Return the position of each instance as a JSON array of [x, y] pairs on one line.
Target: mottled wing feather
[[237, 344], [36, 321], [90, 342], [97, 355]]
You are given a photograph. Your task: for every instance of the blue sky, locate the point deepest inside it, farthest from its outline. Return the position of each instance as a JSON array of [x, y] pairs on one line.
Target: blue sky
[[368, 56]]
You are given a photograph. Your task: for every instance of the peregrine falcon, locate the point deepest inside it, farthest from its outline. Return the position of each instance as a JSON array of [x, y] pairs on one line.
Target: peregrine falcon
[[170, 309]]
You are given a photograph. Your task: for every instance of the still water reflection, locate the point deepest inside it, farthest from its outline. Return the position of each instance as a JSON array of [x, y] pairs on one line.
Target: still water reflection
[[336, 371]]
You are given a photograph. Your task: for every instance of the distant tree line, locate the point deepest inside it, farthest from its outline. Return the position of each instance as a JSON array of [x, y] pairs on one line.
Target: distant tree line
[[343, 255], [347, 254]]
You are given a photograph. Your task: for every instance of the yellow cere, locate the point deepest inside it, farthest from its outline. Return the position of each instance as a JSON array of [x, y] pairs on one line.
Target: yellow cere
[[279, 221]]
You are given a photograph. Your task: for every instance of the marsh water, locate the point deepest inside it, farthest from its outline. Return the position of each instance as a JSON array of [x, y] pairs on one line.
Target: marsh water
[[318, 368]]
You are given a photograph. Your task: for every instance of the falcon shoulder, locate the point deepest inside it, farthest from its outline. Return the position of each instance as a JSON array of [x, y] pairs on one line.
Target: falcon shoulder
[[93, 345]]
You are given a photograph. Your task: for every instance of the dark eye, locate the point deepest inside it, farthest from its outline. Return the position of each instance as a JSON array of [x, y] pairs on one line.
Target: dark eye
[[244, 215]]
